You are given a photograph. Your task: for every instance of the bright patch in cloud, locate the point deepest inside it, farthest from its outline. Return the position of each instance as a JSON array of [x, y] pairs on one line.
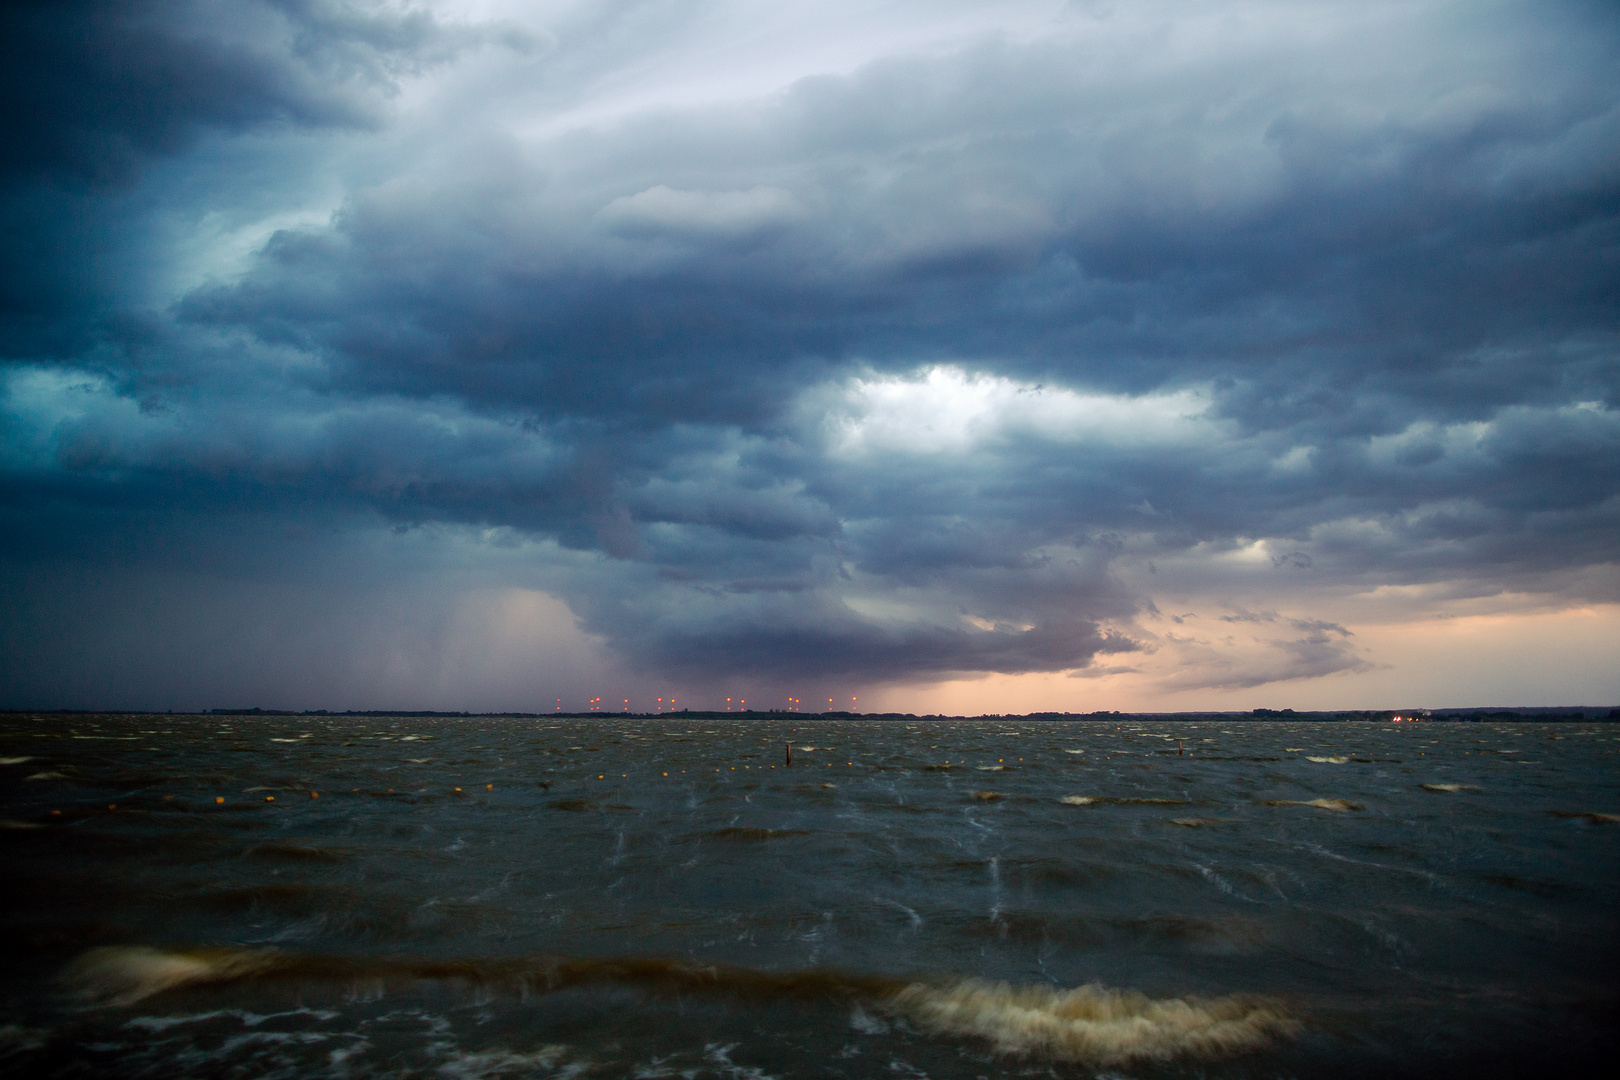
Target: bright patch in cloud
[[946, 409]]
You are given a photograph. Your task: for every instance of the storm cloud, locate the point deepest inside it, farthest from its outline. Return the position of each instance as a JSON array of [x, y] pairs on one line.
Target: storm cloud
[[877, 346]]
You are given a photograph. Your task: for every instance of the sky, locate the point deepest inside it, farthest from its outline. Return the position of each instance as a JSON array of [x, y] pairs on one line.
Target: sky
[[930, 356]]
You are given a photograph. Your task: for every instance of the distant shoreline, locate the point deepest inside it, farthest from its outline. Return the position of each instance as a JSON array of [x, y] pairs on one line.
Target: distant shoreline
[[1523, 713]]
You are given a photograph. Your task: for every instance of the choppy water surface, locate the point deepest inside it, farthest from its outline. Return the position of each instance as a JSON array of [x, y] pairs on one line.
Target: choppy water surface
[[302, 896]]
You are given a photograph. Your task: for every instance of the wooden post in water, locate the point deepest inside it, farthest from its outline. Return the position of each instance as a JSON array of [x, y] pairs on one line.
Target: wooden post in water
[[790, 755], [1180, 751]]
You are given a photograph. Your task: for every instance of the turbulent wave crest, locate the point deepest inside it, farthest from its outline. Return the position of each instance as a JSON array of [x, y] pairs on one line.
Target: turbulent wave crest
[[122, 975], [1320, 804], [125, 974], [1089, 1024], [1092, 1024]]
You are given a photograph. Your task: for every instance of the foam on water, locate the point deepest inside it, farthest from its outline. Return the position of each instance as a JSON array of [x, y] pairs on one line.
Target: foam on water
[[1094, 800], [502, 1063], [1092, 1024], [121, 975], [1320, 804]]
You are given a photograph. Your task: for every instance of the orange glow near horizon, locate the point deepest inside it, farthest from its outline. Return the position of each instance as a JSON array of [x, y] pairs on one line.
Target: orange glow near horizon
[[1569, 657], [1455, 659]]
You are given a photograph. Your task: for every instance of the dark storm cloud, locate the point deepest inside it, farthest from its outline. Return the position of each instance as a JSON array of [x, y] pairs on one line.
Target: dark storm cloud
[[93, 87], [885, 374], [1371, 273], [96, 90]]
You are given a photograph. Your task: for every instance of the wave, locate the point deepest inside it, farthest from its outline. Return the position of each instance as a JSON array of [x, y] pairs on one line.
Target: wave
[[1097, 800], [1590, 815], [123, 975], [1449, 788], [1320, 804], [1090, 1024]]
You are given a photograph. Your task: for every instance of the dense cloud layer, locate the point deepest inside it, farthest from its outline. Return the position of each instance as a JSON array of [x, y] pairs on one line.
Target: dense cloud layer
[[886, 368]]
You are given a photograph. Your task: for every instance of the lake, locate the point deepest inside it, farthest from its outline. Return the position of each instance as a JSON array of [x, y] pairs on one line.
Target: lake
[[301, 896]]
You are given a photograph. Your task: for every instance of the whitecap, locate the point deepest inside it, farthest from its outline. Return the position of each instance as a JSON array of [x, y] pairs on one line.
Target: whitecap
[[1320, 804], [865, 1023], [125, 974], [474, 1066], [1093, 1024]]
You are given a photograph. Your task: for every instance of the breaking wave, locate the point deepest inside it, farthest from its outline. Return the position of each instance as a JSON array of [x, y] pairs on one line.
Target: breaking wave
[[1090, 1024], [1093, 1024], [124, 975], [1320, 804], [1096, 800]]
